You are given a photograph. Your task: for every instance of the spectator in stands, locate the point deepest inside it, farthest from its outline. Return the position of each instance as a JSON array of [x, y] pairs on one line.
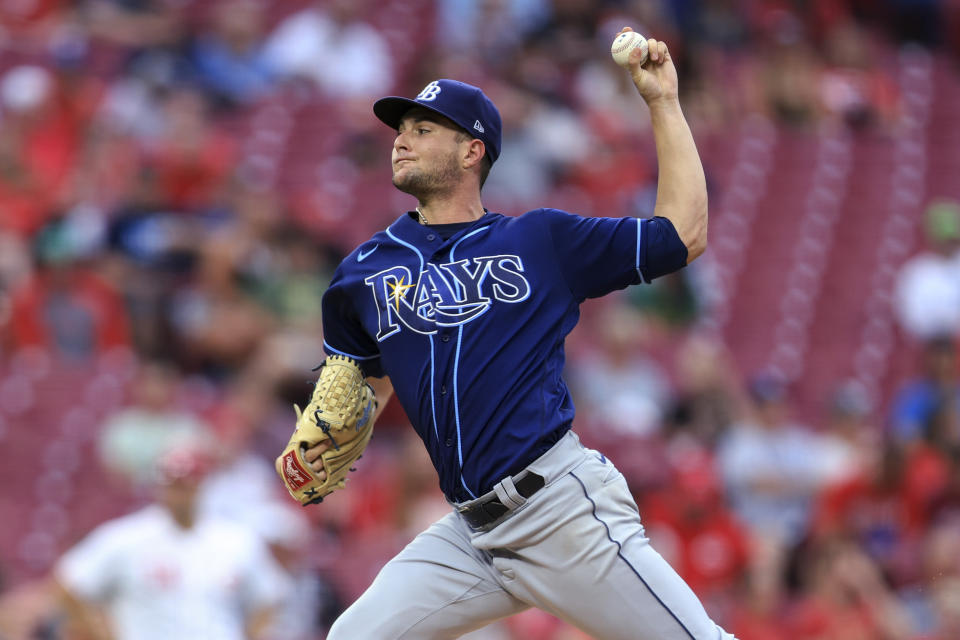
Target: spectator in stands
[[760, 604], [193, 160], [671, 302], [133, 103], [773, 467], [132, 440], [67, 307], [845, 596], [219, 327], [307, 616], [489, 30], [919, 21], [884, 509], [153, 249], [943, 427], [107, 166], [162, 572], [853, 88], [790, 72], [946, 602], [849, 437], [917, 402], [611, 172], [287, 270], [547, 138], [568, 33], [16, 263], [15, 268], [532, 624], [38, 144], [242, 421], [945, 506], [623, 391], [134, 24], [708, 397], [691, 525], [931, 598], [927, 291], [329, 44], [229, 56], [930, 472], [28, 17]]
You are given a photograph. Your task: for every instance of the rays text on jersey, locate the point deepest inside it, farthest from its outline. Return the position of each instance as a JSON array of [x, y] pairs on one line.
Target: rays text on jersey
[[445, 295]]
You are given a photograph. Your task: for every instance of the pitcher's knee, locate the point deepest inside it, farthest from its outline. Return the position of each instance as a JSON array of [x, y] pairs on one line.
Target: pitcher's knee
[[344, 628], [367, 619]]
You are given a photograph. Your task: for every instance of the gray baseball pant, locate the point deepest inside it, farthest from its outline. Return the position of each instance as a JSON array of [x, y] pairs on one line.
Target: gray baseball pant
[[575, 549]]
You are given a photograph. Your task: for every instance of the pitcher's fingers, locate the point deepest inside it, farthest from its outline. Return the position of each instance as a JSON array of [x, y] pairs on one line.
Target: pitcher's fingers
[[653, 49], [664, 53], [314, 452]]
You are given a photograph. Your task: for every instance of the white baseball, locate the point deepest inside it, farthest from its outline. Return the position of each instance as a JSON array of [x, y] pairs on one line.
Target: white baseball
[[624, 44]]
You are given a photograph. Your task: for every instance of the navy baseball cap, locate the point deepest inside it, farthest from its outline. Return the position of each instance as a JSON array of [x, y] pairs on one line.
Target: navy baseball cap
[[462, 103]]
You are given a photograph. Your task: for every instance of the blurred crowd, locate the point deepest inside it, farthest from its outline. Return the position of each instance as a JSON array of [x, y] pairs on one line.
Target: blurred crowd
[[179, 178]]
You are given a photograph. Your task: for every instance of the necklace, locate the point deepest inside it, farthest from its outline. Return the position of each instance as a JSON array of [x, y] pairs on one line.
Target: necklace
[[422, 218]]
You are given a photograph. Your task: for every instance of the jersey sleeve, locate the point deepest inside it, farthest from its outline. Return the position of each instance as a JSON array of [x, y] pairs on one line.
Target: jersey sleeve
[[662, 251], [600, 255], [343, 331], [88, 570]]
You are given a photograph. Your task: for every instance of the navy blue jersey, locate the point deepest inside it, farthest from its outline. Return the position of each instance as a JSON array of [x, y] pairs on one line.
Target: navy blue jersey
[[471, 328]]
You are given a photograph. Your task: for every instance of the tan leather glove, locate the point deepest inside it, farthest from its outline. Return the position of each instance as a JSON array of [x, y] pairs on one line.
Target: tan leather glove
[[341, 411]]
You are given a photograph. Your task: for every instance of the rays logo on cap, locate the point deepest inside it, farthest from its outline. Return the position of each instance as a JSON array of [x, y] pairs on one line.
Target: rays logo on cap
[[429, 93]]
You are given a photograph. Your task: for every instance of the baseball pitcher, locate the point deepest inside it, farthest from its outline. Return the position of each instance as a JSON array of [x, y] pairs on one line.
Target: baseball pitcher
[[462, 312]]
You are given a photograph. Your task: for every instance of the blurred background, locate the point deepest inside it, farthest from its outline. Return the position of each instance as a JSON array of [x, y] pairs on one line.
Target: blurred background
[[179, 178]]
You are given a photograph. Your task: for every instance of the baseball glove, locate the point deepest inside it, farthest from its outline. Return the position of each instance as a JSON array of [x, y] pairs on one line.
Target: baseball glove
[[341, 411]]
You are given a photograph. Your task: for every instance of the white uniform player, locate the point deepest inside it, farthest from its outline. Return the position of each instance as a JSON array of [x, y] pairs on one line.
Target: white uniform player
[[159, 576]]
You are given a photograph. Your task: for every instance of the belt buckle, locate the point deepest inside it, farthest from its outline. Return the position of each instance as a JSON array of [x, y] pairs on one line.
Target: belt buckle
[[481, 514], [491, 509]]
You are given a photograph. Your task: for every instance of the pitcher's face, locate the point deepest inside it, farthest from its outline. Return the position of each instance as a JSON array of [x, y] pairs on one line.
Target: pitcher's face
[[426, 153]]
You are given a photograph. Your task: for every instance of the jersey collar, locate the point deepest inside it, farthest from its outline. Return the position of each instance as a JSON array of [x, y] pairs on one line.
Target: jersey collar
[[408, 229]]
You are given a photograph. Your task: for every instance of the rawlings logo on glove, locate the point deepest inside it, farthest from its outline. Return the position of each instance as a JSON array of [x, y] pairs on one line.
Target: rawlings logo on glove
[[340, 413], [293, 474]]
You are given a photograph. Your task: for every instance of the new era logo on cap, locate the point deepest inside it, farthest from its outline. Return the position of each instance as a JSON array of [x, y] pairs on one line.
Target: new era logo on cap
[[462, 103]]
